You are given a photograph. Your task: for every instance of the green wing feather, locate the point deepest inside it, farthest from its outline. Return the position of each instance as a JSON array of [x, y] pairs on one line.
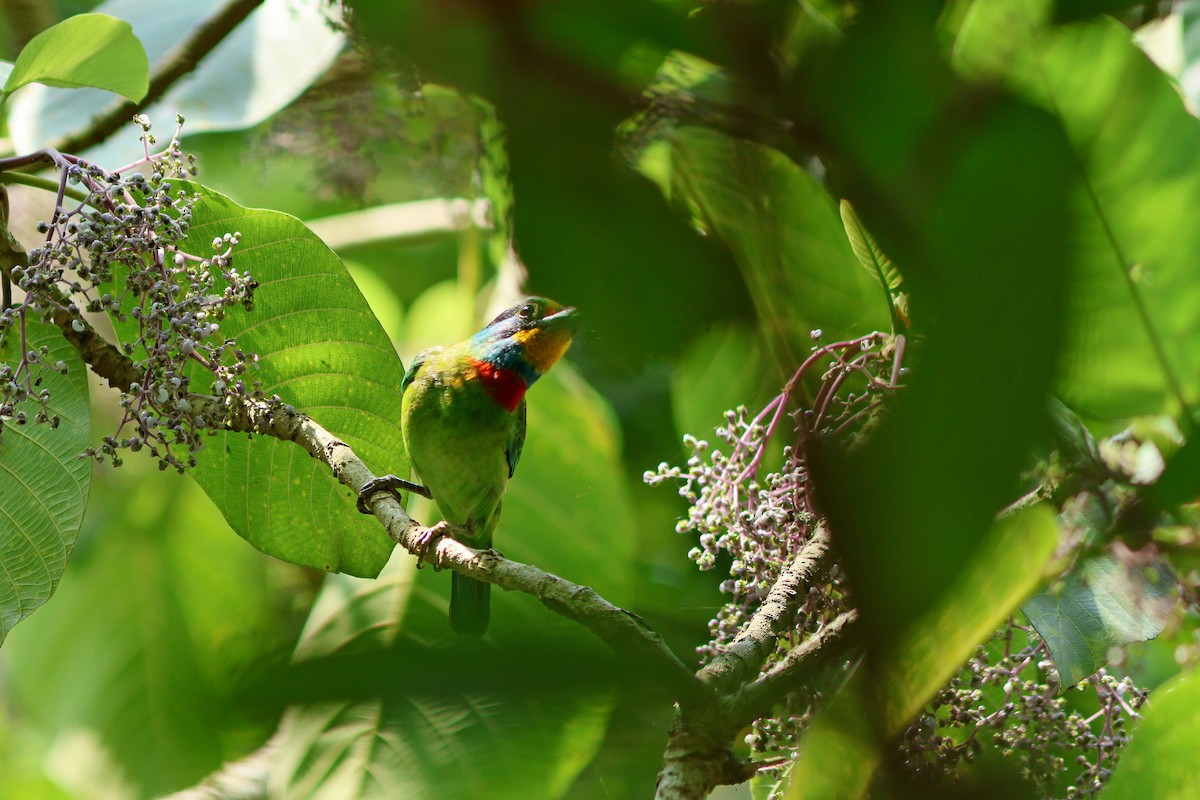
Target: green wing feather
[[411, 375], [512, 453]]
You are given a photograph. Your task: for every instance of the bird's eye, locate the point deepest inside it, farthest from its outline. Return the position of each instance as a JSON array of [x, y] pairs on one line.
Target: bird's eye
[[528, 311]]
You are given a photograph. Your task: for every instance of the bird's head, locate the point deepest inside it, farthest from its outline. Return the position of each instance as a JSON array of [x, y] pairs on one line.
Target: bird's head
[[527, 338]]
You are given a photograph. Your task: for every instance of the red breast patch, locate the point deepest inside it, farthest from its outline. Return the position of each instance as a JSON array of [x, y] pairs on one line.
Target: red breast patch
[[505, 386]]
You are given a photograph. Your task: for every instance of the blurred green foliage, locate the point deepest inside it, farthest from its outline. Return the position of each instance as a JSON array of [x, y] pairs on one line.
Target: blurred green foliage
[[675, 170]]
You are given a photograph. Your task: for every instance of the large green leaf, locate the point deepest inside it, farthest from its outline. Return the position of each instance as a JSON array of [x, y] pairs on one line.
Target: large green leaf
[[975, 243], [947, 194], [439, 725], [842, 750], [85, 50], [1135, 303], [43, 480], [482, 735], [1102, 604], [133, 662], [1160, 761], [782, 227], [320, 349]]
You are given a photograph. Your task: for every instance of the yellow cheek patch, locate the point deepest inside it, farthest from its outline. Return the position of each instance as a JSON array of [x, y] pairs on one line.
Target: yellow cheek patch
[[543, 348]]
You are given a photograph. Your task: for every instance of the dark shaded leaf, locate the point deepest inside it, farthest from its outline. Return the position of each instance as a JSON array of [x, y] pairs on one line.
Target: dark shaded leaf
[[1102, 604]]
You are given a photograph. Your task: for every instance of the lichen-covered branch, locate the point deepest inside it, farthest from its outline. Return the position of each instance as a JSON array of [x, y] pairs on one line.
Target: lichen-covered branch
[[743, 659], [802, 665], [699, 754]]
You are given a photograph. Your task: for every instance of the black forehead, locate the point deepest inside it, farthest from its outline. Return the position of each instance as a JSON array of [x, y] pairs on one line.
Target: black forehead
[[512, 310]]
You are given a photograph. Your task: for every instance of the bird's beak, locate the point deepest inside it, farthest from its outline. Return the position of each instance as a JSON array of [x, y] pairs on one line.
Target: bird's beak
[[566, 320]]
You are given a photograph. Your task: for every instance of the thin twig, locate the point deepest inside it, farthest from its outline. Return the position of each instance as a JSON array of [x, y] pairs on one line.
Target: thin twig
[[180, 61]]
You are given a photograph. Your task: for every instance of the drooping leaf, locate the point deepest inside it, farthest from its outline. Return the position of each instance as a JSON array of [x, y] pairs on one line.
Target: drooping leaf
[[1160, 759], [1134, 294], [870, 254], [43, 480], [94, 50], [841, 751], [974, 247], [1102, 604]]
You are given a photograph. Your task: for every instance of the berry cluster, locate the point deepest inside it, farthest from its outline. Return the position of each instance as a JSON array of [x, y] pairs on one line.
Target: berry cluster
[[1008, 697], [760, 524], [121, 248]]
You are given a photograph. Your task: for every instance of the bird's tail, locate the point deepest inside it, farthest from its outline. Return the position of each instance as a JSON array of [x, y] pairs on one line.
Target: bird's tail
[[470, 605]]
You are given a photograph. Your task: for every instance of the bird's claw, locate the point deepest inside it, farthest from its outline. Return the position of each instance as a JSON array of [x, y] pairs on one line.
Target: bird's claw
[[387, 483], [427, 540]]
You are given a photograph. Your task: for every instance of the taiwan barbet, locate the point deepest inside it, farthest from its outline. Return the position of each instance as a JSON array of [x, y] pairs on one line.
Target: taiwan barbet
[[463, 421]]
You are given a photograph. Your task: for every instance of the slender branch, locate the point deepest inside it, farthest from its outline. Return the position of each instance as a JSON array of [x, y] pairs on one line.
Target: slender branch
[[39, 182], [743, 659], [180, 61], [624, 632]]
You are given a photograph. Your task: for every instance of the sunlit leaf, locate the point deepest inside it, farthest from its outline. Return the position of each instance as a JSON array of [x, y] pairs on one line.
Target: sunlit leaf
[[43, 481], [868, 251], [85, 50], [320, 349], [1104, 603], [1134, 295]]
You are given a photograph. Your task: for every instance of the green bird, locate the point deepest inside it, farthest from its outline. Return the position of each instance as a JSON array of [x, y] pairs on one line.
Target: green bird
[[463, 422]]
